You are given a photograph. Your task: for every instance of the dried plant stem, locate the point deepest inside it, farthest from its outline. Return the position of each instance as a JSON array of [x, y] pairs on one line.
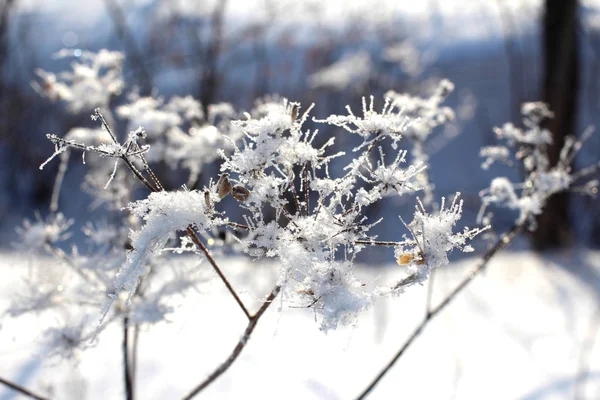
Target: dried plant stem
[[377, 243], [22, 390], [212, 262], [502, 243], [253, 320], [134, 351], [125, 158], [127, 372]]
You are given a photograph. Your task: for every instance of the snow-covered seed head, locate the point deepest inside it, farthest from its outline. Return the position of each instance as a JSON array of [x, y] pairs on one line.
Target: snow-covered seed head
[[240, 193], [224, 186]]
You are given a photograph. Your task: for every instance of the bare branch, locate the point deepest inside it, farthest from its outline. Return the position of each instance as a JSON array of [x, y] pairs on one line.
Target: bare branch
[[212, 262], [21, 390], [238, 348]]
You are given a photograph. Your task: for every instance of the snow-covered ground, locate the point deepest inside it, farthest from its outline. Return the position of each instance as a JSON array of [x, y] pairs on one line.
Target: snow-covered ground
[[522, 330]]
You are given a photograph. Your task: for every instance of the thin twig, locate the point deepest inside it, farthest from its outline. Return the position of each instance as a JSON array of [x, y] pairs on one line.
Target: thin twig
[[127, 373], [306, 185], [212, 262], [237, 226], [377, 243], [295, 196], [22, 390], [124, 157], [253, 320], [504, 241], [134, 351]]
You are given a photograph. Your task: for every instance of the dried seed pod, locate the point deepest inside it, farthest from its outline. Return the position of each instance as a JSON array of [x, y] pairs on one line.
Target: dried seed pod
[[407, 258], [295, 110], [240, 193], [207, 199], [223, 185]]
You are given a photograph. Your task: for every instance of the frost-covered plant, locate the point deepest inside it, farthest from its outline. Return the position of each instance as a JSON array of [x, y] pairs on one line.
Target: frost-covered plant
[[179, 132], [93, 80], [428, 113], [180, 136], [295, 210], [291, 206], [541, 179]]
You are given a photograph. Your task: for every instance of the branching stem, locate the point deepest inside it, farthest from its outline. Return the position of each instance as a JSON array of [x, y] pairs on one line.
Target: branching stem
[[253, 320], [502, 243]]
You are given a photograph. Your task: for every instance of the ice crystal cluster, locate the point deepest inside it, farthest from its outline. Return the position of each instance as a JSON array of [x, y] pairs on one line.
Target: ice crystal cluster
[[276, 196]]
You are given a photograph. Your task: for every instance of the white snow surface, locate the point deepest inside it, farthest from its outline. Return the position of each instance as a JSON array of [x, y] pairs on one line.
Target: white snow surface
[[516, 333]]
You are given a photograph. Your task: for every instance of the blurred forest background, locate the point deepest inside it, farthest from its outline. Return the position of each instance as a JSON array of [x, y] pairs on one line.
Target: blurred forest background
[[331, 53]]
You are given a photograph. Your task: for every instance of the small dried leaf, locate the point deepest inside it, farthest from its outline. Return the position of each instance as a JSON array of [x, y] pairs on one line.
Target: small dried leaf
[[240, 193]]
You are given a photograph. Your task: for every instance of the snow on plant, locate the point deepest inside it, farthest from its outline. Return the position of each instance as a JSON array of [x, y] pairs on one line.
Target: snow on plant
[[293, 208], [95, 78], [178, 130], [432, 239], [35, 235], [427, 114], [163, 213], [290, 204], [541, 179]]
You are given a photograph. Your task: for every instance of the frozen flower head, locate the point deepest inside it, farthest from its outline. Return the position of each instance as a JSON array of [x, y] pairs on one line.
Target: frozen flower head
[[390, 122], [535, 112], [159, 116], [334, 294], [433, 237], [427, 112], [93, 80], [36, 235], [530, 147]]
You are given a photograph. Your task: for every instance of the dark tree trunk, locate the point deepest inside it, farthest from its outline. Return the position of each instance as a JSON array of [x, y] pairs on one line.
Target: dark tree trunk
[[209, 81], [560, 92]]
